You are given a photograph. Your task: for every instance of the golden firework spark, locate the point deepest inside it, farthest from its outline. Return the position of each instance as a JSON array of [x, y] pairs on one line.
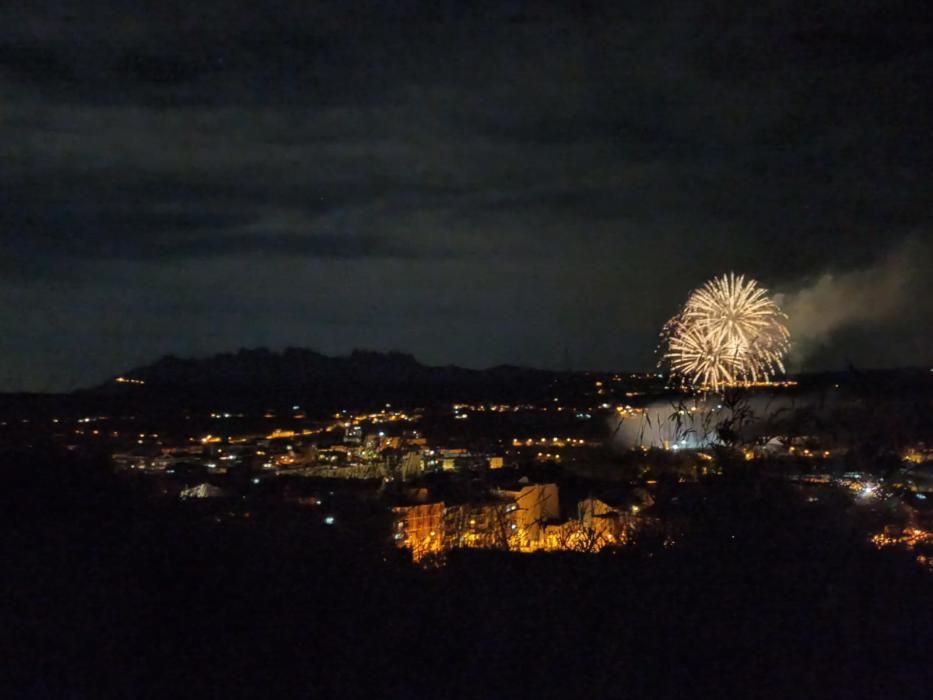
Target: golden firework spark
[[730, 331]]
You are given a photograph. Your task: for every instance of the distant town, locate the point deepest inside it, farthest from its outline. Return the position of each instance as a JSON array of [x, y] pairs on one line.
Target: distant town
[[595, 462]]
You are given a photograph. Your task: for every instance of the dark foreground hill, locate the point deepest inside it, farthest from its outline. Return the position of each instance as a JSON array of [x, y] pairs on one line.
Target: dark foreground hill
[[104, 594]]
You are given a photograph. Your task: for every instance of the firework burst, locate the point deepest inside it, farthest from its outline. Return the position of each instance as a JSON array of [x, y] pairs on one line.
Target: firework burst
[[729, 332]]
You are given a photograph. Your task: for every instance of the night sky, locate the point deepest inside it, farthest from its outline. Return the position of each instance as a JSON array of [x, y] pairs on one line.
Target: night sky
[[473, 182]]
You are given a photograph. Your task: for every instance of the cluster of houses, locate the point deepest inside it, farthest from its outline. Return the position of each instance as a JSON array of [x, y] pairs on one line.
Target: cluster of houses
[[524, 518]]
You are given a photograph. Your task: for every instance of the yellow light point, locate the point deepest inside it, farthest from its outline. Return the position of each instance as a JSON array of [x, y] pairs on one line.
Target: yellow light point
[[128, 380], [278, 434]]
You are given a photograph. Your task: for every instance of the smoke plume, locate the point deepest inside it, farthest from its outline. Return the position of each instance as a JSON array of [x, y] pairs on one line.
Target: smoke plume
[[873, 295]]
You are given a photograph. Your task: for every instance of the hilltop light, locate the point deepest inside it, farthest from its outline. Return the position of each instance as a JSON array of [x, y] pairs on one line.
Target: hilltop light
[[128, 380]]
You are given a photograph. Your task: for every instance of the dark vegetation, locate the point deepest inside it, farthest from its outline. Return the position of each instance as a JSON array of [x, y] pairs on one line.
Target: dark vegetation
[[105, 592]]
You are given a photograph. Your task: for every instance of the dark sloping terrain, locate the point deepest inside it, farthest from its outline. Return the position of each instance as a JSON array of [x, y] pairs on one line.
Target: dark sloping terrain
[[104, 594], [251, 380]]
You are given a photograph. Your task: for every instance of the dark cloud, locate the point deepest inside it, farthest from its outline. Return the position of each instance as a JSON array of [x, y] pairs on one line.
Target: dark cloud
[[70, 229], [475, 182]]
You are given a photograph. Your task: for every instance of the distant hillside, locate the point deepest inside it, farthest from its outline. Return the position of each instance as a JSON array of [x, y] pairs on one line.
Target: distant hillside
[[259, 379], [262, 378]]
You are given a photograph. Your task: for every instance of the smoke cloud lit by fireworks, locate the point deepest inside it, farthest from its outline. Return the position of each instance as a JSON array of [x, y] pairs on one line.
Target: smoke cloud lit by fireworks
[[870, 296]]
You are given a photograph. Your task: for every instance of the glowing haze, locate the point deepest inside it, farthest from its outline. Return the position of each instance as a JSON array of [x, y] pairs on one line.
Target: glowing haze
[[835, 301], [730, 331]]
